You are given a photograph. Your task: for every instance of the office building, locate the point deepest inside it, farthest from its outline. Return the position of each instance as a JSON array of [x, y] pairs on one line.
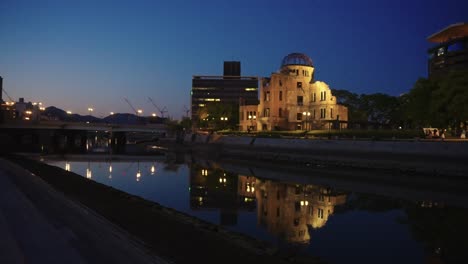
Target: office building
[[227, 91], [450, 52], [291, 99]]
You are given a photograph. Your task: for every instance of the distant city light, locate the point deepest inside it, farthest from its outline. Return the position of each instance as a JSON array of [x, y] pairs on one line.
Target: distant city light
[[139, 111], [111, 113], [153, 114], [69, 112]]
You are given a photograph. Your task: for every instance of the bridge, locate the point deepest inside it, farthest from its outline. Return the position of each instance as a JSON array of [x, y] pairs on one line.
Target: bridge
[[69, 137]]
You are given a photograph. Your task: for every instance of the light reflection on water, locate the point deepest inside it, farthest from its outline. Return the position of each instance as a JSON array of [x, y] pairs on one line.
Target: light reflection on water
[[336, 225]]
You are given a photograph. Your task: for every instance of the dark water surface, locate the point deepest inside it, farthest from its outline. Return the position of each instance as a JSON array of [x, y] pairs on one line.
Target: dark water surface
[[360, 223]]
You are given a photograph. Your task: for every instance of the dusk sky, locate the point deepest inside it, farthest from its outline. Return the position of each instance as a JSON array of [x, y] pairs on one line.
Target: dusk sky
[[80, 54]]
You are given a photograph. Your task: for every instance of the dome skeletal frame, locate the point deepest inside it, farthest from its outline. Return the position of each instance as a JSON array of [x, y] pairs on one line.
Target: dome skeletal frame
[[297, 59]]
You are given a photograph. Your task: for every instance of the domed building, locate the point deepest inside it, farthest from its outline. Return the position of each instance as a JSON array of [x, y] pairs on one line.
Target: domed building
[[291, 99]]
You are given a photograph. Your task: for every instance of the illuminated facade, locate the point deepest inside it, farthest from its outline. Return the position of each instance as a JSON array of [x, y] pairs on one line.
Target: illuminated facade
[[451, 50], [229, 89], [291, 99], [287, 210]]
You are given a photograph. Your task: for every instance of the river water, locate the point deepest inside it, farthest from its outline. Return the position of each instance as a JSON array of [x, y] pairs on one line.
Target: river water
[[341, 223]]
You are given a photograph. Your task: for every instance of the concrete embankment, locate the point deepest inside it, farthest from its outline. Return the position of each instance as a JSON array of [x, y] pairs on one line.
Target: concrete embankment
[[433, 157]]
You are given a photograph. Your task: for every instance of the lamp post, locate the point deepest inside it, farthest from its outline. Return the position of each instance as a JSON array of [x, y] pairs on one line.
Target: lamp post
[[307, 116], [252, 120], [90, 110]]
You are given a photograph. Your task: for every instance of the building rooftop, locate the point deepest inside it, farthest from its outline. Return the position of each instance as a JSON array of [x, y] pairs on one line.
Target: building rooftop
[[453, 31], [296, 59]]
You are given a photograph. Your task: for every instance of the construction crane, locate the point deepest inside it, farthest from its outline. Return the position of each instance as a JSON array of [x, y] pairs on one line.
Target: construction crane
[[186, 110], [11, 99], [162, 111], [133, 108]]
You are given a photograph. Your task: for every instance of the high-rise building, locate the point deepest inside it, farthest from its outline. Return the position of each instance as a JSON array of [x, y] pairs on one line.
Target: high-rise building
[[291, 99], [451, 50], [227, 91], [1, 89]]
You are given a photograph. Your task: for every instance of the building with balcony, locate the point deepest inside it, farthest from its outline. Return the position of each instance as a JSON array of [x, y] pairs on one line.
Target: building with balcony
[[227, 91], [291, 99], [450, 52]]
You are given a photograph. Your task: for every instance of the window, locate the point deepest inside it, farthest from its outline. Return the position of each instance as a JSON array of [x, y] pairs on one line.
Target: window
[[297, 206], [314, 113], [324, 96], [299, 116], [280, 112], [281, 95], [331, 112], [300, 100], [267, 96], [315, 97], [277, 212], [321, 198], [242, 116], [299, 84], [280, 83], [322, 112], [296, 221], [320, 213], [311, 210], [266, 112]]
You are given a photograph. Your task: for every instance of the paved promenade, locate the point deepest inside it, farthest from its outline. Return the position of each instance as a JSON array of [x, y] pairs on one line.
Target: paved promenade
[[40, 225]]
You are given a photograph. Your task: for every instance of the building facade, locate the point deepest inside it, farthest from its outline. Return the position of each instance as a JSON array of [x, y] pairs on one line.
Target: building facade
[[450, 52], [291, 99], [229, 91]]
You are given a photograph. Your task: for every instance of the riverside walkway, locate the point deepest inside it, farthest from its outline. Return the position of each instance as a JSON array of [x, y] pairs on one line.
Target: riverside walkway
[[39, 225]]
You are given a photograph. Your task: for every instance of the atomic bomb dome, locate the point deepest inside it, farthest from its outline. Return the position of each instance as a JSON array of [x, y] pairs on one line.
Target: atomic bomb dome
[[297, 59]]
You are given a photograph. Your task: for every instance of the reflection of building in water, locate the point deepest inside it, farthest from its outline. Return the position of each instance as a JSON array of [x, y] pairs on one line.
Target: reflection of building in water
[[287, 209], [212, 189]]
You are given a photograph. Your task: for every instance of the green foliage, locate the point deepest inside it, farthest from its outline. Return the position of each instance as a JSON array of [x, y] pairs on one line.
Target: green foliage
[[440, 102]]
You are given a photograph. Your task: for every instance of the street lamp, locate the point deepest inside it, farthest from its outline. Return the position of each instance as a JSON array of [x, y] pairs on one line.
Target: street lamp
[[307, 116], [139, 111], [90, 110]]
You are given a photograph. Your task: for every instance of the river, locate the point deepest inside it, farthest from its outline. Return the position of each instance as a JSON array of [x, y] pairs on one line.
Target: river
[[365, 222]]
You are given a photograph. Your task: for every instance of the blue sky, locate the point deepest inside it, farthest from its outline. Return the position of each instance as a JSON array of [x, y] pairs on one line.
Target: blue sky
[[80, 54]]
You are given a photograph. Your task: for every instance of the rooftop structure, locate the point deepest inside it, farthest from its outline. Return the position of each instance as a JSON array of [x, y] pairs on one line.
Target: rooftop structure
[[450, 52]]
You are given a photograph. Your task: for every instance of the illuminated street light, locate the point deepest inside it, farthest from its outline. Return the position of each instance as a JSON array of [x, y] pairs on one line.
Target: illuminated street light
[[139, 111], [153, 114], [307, 117], [69, 112], [111, 113], [90, 109]]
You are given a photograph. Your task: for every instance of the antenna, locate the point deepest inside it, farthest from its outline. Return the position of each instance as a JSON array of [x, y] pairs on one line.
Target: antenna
[[162, 111]]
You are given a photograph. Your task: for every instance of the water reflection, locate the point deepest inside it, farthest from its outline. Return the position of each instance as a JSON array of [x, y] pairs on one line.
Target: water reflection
[[318, 218], [285, 210]]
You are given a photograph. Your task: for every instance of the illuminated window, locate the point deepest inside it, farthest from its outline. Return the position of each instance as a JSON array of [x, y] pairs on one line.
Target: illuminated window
[[250, 89], [267, 96], [320, 213], [441, 51]]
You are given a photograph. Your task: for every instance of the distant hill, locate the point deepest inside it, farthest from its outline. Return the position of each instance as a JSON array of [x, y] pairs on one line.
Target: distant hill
[[54, 113]]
